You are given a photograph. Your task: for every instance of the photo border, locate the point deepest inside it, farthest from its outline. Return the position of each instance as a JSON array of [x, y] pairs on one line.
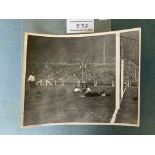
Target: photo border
[[76, 36]]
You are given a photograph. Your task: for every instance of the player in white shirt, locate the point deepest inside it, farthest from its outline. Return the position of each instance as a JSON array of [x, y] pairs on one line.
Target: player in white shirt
[[31, 78], [77, 90], [32, 82]]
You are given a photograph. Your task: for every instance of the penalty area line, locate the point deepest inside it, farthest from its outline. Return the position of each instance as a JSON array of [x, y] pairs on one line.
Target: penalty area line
[[113, 119]]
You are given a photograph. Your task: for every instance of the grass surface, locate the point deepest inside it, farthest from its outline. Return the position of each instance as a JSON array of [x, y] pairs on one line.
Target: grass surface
[[58, 104], [129, 107]]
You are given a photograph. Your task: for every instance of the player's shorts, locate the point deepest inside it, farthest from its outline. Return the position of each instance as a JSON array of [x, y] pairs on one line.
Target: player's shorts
[[92, 94], [32, 84]]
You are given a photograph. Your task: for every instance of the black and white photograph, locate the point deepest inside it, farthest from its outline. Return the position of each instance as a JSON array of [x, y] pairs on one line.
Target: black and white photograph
[[82, 79]]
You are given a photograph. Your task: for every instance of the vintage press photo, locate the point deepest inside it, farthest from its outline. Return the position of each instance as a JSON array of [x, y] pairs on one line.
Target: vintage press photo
[[89, 79]]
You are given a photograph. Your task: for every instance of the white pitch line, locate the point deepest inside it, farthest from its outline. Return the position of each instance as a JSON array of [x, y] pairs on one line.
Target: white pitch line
[[113, 119]]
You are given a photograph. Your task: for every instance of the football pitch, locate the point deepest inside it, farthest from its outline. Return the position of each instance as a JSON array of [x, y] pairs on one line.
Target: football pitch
[[128, 112], [59, 104]]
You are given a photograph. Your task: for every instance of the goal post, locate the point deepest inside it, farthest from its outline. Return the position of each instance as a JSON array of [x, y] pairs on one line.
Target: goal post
[[118, 70], [122, 77]]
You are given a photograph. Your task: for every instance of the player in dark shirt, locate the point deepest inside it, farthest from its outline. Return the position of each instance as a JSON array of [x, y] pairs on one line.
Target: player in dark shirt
[[94, 94], [89, 93]]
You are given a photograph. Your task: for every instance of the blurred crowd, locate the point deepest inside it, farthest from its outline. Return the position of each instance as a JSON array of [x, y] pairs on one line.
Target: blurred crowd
[[73, 72], [81, 72], [130, 71]]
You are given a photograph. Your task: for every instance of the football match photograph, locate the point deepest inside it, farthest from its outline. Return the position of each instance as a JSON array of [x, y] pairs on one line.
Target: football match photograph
[[82, 79]]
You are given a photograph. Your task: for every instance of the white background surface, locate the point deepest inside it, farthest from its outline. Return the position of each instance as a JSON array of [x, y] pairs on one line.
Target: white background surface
[[77, 145], [78, 9]]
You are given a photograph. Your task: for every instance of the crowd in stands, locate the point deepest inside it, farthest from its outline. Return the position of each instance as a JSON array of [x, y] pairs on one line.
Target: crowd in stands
[[73, 72], [79, 72], [130, 71]]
